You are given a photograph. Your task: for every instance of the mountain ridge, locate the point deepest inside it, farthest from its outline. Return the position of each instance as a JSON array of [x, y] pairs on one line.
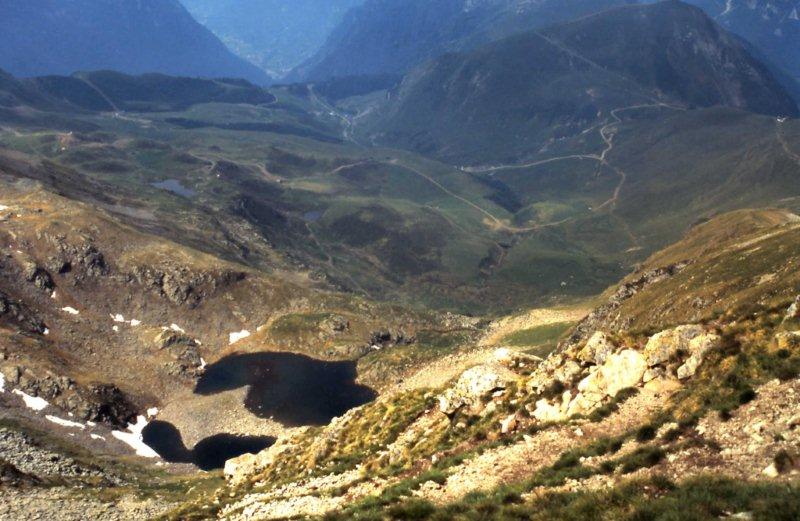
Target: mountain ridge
[[45, 37]]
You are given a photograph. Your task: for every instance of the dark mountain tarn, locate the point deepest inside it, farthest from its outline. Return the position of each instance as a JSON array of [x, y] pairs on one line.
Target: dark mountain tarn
[[293, 389], [210, 453]]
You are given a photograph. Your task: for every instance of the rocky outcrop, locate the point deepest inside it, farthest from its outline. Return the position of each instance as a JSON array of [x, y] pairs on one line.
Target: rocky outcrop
[[620, 371], [472, 387], [597, 349], [184, 350], [665, 346], [101, 403], [169, 338], [603, 318], [81, 260], [390, 338], [19, 314], [181, 285], [37, 275], [681, 349]]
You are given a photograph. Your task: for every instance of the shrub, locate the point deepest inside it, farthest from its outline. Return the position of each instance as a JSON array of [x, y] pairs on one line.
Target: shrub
[[646, 433]]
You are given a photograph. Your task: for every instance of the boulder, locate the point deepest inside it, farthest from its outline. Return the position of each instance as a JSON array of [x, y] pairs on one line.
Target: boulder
[[621, 370], [698, 348], [665, 345], [584, 403], [508, 424], [547, 412], [471, 388], [567, 372], [169, 338], [597, 349], [37, 275]]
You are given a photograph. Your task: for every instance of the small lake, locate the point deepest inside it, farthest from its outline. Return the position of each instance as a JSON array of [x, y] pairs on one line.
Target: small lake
[[210, 453], [294, 390], [176, 187]]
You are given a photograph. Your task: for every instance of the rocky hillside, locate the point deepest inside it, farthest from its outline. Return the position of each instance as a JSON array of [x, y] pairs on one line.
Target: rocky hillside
[[533, 89], [44, 37], [103, 323], [773, 26], [629, 414]]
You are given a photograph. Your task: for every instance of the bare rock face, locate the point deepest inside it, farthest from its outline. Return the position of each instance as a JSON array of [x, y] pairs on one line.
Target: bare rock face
[[471, 388], [597, 349]]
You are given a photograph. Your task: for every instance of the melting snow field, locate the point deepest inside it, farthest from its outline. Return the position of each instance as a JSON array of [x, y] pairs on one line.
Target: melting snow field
[[119, 318], [133, 438], [235, 337], [32, 402], [65, 423], [71, 310]]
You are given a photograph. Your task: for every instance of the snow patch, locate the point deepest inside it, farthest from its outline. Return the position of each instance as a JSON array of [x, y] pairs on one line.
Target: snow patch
[[117, 318], [135, 322], [3, 207], [97, 437], [235, 337], [71, 310], [152, 412], [46, 332], [3, 382], [65, 423], [177, 328], [32, 402], [203, 363], [133, 438], [116, 329], [54, 295]]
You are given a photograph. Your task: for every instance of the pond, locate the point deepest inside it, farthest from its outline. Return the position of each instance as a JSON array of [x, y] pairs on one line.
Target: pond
[[292, 389], [210, 453], [176, 187]]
